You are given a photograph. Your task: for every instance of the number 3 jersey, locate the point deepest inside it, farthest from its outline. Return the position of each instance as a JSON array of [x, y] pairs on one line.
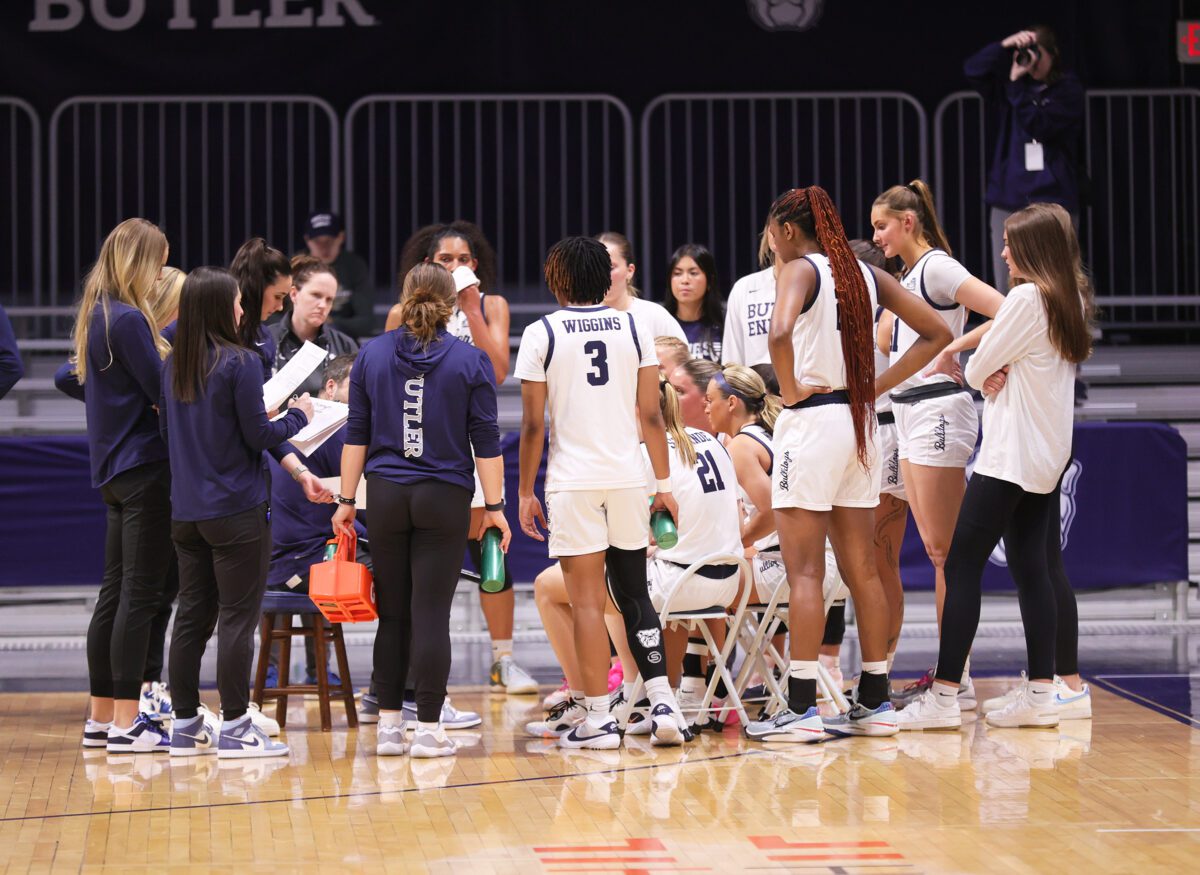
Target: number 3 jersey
[[707, 494], [589, 358]]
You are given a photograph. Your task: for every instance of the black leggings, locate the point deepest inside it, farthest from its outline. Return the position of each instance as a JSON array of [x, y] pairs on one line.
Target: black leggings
[[1029, 524], [418, 534], [222, 577], [137, 550], [162, 619]]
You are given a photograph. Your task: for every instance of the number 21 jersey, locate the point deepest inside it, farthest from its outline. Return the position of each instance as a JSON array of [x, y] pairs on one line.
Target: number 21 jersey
[[589, 358]]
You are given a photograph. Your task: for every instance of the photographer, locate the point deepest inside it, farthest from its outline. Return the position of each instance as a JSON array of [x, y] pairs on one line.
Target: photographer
[[1040, 110]]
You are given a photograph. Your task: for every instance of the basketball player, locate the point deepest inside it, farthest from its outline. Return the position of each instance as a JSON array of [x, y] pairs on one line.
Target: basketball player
[[596, 368], [826, 477]]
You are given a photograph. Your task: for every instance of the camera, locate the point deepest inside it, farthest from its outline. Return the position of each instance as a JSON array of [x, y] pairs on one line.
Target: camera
[[1027, 56]]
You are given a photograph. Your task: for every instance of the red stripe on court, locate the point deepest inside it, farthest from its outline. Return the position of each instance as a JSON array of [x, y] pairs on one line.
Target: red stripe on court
[[628, 845], [775, 843], [558, 861], [797, 858]]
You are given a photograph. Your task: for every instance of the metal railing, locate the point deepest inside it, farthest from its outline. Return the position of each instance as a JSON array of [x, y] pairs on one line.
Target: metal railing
[[1140, 231], [211, 170], [528, 168], [713, 163], [21, 197]]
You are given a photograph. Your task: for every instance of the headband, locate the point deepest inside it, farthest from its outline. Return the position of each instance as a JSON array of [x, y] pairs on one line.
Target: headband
[[724, 386]]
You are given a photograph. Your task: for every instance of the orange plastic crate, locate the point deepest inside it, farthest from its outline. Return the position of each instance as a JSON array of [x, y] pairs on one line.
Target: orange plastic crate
[[341, 588]]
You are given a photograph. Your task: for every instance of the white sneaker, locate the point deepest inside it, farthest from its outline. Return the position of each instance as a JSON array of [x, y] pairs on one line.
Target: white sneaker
[[428, 744], [966, 696], [562, 694], [562, 719], [689, 702], [508, 677], [389, 740], [925, 712], [1072, 705], [996, 703], [155, 702], [1026, 710], [145, 736], [607, 737]]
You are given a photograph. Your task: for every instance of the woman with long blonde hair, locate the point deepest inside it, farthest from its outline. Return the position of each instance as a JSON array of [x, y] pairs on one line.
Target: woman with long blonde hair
[[118, 362]]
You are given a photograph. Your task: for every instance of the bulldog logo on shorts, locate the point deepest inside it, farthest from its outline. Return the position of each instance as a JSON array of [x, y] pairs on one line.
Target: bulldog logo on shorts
[[649, 638], [1066, 510]]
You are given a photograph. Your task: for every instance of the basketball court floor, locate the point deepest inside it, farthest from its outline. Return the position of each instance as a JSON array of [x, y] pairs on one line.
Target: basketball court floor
[[1119, 793]]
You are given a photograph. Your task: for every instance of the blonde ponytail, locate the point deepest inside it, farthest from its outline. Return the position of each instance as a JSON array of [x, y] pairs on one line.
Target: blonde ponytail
[[427, 301], [749, 388], [673, 420]]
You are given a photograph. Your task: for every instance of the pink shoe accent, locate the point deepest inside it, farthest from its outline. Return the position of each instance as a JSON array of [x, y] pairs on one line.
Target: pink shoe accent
[[616, 676]]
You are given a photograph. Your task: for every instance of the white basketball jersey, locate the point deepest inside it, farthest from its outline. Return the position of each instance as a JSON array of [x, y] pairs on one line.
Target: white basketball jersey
[[816, 336], [707, 494], [883, 404], [758, 433], [935, 277], [458, 326], [589, 358]]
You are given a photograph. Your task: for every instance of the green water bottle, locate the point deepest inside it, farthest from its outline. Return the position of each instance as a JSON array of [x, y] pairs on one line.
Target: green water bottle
[[491, 577], [330, 550], [665, 533]]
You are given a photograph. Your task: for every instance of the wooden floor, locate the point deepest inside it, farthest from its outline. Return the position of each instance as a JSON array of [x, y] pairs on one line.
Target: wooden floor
[[1120, 793]]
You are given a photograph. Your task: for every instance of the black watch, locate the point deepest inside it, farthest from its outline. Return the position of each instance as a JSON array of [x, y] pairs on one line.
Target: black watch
[[494, 507], [341, 499]]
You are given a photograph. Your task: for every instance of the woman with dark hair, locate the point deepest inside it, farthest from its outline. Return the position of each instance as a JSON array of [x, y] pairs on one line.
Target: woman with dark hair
[[1039, 107], [479, 317], [264, 277], [422, 421], [826, 474], [216, 429], [695, 300], [1025, 366]]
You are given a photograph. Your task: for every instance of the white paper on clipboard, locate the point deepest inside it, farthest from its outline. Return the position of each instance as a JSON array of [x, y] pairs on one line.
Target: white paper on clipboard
[[328, 417], [278, 389], [334, 485]]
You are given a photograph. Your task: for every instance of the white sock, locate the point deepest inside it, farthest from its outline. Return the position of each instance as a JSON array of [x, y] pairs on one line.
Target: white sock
[[627, 689], [691, 685], [966, 676], [1040, 692], [659, 692], [391, 718], [233, 724], [946, 697], [597, 711], [875, 667], [803, 669], [96, 724], [891, 660], [577, 696], [501, 648], [831, 663]]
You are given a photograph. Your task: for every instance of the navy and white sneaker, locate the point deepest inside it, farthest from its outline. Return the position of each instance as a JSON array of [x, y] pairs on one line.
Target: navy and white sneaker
[[639, 719], [667, 726], [788, 727], [95, 734], [451, 717], [860, 720], [242, 739], [562, 718], [607, 737], [193, 737], [145, 736], [155, 702], [368, 709]]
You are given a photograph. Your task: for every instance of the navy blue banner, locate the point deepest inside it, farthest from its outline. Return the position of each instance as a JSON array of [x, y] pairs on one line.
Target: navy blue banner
[[1124, 513]]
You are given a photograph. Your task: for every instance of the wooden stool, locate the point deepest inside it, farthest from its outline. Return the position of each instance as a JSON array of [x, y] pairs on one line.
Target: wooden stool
[[278, 610]]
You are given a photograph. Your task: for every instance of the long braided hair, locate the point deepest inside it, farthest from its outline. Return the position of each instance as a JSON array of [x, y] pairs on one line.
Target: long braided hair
[[811, 210]]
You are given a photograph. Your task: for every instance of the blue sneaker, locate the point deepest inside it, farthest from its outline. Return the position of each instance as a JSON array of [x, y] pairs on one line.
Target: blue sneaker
[[193, 737], [334, 680], [789, 727], [155, 702], [860, 720], [242, 739], [272, 678], [368, 709], [145, 736]]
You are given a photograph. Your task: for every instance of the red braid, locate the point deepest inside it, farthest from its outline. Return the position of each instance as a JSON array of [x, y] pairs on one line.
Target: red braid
[[850, 288], [814, 213]]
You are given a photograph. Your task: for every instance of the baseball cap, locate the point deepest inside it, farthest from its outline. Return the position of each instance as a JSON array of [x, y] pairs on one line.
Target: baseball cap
[[323, 225]]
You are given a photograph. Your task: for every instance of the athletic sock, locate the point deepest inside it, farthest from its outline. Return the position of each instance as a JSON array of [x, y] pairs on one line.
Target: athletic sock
[[966, 675], [1040, 693], [391, 718], [946, 697], [691, 685], [597, 711], [873, 684], [802, 685], [501, 648], [691, 660], [658, 691], [831, 663], [891, 660]]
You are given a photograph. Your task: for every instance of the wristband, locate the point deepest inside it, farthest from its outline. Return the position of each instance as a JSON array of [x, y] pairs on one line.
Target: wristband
[[301, 470], [341, 499], [662, 485], [494, 507]]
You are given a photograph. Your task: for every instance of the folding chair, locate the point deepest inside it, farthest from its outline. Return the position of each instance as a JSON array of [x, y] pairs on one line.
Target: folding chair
[[694, 620], [761, 654]]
